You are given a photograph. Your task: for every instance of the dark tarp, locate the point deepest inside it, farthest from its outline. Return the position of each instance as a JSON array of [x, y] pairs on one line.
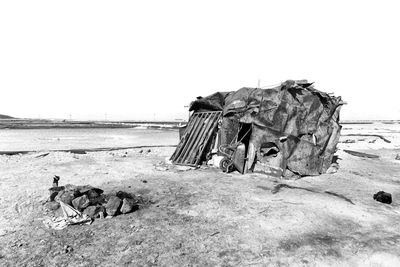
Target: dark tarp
[[302, 122], [214, 102]]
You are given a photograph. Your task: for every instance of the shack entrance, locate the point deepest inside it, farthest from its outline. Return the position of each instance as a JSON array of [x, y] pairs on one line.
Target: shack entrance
[[244, 134]]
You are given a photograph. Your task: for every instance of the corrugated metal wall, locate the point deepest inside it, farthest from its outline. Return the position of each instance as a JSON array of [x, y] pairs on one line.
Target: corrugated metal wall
[[200, 129]]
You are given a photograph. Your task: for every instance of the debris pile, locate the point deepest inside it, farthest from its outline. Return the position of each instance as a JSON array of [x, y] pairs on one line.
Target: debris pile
[[83, 203]]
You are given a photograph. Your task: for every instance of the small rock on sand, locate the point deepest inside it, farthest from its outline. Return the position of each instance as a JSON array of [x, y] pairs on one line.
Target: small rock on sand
[[113, 205], [81, 202], [383, 197], [128, 205], [397, 157]]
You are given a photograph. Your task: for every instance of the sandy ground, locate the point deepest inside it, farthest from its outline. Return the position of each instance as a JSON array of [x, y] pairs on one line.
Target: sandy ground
[[204, 217]]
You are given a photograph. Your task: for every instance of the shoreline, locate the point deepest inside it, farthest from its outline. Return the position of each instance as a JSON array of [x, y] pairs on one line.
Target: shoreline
[[77, 151], [65, 124]]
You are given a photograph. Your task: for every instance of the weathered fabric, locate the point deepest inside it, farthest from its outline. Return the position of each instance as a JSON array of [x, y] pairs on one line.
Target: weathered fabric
[[300, 120]]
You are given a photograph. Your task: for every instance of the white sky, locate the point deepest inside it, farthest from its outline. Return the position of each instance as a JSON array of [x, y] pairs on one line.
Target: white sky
[[148, 59]]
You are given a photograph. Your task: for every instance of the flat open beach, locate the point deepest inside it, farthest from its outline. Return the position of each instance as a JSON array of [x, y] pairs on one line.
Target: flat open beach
[[200, 217]]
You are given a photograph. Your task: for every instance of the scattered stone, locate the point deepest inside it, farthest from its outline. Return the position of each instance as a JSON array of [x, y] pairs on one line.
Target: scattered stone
[[81, 202], [148, 150], [141, 151], [93, 211], [397, 157], [383, 197], [144, 181], [128, 205], [52, 205], [87, 189], [68, 249], [67, 196], [97, 200], [113, 205], [122, 195], [92, 193]]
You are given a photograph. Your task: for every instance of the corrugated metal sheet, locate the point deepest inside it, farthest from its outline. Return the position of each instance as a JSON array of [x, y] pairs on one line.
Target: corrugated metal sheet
[[200, 129]]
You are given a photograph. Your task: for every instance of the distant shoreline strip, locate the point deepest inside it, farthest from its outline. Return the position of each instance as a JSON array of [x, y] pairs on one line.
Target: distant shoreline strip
[[78, 151]]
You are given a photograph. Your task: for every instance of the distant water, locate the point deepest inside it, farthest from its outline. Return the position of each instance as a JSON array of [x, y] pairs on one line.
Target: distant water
[[54, 139], [390, 131]]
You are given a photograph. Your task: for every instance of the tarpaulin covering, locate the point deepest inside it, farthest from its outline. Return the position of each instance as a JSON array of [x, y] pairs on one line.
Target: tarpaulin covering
[[301, 122]]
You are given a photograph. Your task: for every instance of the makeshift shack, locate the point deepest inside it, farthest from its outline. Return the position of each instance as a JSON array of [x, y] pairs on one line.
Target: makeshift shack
[[291, 127]]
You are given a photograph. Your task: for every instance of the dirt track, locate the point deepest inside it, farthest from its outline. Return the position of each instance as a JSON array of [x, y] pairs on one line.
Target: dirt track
[[203, 217]]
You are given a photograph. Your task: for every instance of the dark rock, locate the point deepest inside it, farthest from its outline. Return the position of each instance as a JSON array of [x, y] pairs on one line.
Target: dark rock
[[128, 205], [92, 211], [97, 200], [88, 189], [67, 196], [122, 195], [54, 191], [81, 202], [93, 193], [383, 197], [68, 249], [52, 205], [113, 205], [53, 196], [397, 157]]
